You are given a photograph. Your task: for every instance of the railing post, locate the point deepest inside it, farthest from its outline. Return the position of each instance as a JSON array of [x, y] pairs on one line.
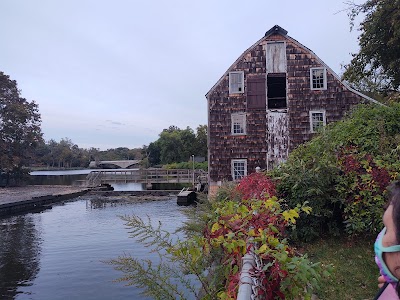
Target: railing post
[[246, 283]]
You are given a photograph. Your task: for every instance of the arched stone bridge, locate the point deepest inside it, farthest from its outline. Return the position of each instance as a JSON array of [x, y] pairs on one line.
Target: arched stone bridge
[[124, 164]]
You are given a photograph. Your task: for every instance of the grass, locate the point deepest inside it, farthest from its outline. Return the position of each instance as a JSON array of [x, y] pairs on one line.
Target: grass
[[355, 273]]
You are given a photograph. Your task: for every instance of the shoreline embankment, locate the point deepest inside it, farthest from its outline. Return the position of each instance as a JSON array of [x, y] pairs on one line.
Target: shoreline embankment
[[15, 200]]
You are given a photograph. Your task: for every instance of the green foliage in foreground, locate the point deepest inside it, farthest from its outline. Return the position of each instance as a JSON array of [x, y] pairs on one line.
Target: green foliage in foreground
[[343, 173], [206, 265], [169, 278]]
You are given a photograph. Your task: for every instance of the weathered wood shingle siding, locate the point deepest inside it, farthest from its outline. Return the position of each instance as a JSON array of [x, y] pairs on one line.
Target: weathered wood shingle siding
[[223, 146], [335, 101]]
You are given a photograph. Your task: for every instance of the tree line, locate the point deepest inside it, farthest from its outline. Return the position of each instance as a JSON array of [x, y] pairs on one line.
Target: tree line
[[177, 145], [174, 145], [22, 146], [66, 154]]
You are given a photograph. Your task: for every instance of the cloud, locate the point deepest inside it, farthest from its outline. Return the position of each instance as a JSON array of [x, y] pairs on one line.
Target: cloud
[[115, 122]]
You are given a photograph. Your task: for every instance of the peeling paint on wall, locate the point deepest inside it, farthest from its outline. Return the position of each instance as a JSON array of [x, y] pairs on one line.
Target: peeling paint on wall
[[277, 138]]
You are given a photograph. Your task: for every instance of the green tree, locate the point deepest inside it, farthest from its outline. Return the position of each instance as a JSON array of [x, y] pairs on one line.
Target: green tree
[[188, 140], [20, 130], [176, 145], [201, 141], [152, 153], [65, 153], [171, 147], [379, 43]]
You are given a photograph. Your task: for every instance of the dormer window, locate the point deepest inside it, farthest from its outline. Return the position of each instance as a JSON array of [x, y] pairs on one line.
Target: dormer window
[[318, 79], [236, 82]]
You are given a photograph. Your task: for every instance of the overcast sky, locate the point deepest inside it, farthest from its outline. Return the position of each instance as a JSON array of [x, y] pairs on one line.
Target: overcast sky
[[110, 74]]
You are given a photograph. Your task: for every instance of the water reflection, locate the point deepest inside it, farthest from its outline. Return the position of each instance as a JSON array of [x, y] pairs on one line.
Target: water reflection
[[103, 203], [59, 253], [20, 248], [129, 186]]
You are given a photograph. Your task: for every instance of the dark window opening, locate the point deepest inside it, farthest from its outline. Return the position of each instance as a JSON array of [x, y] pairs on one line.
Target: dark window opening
[[276, 85]]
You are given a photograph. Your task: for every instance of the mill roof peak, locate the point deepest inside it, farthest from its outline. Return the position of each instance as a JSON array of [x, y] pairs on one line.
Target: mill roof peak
[[276, 29]]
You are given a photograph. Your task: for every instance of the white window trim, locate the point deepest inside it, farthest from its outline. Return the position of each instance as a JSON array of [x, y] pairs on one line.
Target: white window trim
[[242, 81], [311, 118], [243, 118], [233, 161], [311, 79]]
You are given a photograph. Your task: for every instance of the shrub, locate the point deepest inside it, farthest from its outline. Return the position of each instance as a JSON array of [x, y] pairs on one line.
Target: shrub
[[257, 225], [299, 181], [231, 228], [363, 186], [343, 172], [256, 186], [187, 165]]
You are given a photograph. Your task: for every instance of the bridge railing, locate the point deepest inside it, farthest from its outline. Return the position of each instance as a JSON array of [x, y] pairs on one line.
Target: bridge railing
[[147, 176]]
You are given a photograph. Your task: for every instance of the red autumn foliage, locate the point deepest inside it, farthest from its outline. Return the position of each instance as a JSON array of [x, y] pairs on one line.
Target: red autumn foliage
[[364, 164], [256, 186]]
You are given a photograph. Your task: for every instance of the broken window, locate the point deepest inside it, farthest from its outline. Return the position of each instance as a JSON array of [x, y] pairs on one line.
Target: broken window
[[276, 87], [239, 168], [236, 82], [318, 78], [317, 120]]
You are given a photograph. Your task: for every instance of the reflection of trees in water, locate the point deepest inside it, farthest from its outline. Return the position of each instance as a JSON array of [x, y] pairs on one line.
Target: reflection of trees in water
[[104, 202], [19, 254]]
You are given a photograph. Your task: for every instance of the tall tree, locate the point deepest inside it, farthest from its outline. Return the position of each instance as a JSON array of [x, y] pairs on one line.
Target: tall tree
[[152, 153], [201, 141], [379, 43], [188, 140], [171, 147], [20, 129], [176, 145]]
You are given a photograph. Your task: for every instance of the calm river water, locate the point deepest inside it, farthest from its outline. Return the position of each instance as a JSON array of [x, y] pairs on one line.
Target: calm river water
[[58, 253]]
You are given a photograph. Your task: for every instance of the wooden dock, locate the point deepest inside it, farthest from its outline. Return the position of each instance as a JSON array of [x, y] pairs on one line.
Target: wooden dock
[[147, 176]]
